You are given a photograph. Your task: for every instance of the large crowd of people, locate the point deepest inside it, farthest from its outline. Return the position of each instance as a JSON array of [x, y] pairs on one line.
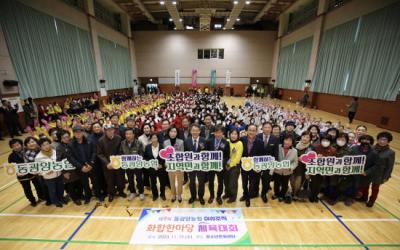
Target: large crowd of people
[[195, 122]]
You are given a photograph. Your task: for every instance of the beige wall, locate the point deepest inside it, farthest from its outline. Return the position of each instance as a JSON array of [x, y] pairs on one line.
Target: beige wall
[[247, 53], [349, 11]]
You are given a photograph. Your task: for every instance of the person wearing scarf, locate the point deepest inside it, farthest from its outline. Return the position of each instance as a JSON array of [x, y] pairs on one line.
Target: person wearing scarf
[[381, 171], [53, 179], [298, 176]]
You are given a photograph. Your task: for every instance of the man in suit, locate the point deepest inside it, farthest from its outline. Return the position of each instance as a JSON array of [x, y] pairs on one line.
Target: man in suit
[[184, 132], [252, 146], [208, 129], [163, 135], [271, 147], [195, 143], [217, 143]]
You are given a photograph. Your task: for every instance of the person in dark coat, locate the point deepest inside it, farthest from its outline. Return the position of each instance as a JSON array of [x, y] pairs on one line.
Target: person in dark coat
[[97, 133], [289, 130], [271, 147], [17, 156], [108, 145], [217, 143], [72, 184], [382, 171], [207, 129], [152, 152], [252, 146], [82, 156], [11, 118], [195, 143]]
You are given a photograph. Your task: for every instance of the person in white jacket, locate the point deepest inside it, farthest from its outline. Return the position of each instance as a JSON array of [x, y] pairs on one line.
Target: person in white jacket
[[282, 176], [53, 179]]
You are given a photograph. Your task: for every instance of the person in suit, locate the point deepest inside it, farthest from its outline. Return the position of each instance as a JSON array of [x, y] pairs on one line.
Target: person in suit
[[163, 134], [271, 147], [178, 145], [252, 146], [207, 129], [195, 143], [217, 143], [183, 134], [151, 152]]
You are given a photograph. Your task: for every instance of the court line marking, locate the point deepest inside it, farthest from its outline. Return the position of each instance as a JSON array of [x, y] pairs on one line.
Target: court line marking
[[8, 185], [237, 245], [387, 211], [12, 203], [97, 217], [339, 219], [79, 227]]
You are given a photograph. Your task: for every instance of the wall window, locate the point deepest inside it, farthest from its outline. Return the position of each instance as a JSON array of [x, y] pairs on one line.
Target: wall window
[[210, 54]]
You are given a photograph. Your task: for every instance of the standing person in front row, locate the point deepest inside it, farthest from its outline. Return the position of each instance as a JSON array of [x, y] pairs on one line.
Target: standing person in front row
[[233, 166], [384, 167], [195, 143], [282, 176], [271, 147], [107, 146], [178, 144], [82, 156], [151, 152], [53, 179], [252, 146], [217, 143], [317, 181], [17, 156], [72, 182], [132, 146]]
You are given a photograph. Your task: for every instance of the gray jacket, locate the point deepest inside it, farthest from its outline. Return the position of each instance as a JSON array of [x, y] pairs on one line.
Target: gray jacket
[[385, 163], [178, 144]]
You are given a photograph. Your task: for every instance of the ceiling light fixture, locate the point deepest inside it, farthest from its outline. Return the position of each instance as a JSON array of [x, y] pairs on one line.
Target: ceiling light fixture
[[235, 2], [174, 2], [162, 2], [248, 2]]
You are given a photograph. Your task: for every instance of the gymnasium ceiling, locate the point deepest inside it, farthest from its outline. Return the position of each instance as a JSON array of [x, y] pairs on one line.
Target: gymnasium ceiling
[[204, 14]]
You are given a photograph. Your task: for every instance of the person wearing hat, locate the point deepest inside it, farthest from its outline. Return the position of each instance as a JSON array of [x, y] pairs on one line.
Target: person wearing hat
[[82, 157], [289, 130], [382, 171], [107, 146]]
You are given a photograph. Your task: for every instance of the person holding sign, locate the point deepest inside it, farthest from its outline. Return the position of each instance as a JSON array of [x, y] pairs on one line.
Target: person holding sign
[[341, 185], [233, 166], [298, 176], [107, 146], [17, 156], [53, 179], [252, 146], [322, 149], [178, 144], [82, 156], [282, 176], [217, 143], [152, 151], [195, 143], [132, 146], [72, 182]]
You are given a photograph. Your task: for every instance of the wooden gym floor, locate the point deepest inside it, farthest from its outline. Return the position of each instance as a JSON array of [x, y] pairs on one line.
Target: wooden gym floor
[[275, 225]]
